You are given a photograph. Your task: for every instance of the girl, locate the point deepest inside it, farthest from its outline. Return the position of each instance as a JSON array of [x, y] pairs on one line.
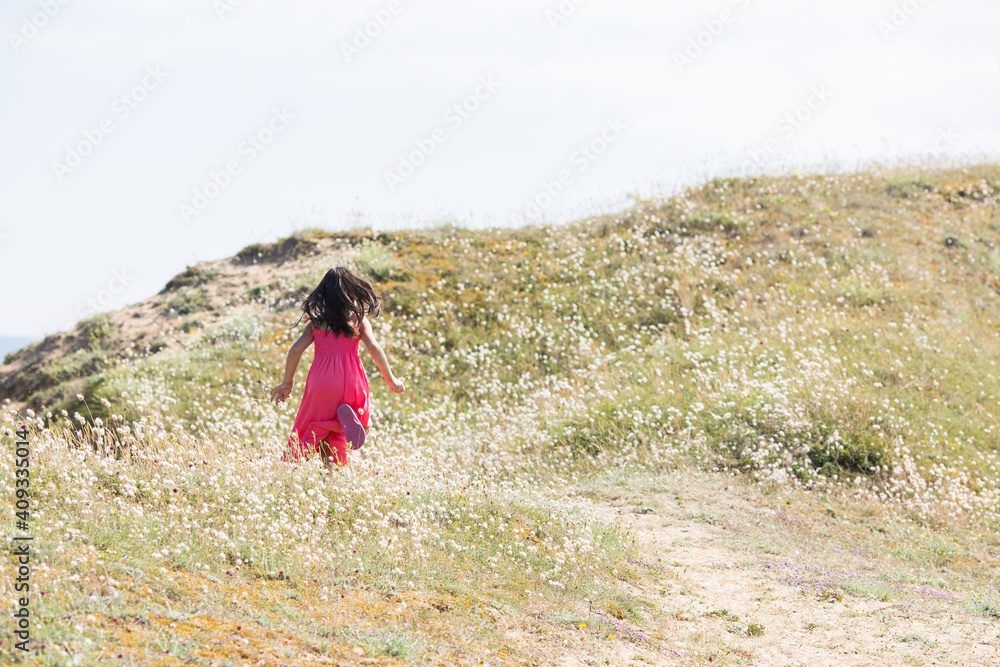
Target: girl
[[335, 407]]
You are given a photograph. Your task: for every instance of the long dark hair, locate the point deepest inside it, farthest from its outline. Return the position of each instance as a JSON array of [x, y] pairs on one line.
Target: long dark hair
[[341, 301]]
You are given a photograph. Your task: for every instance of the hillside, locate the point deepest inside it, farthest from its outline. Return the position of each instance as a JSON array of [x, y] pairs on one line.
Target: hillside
[[831, 339]]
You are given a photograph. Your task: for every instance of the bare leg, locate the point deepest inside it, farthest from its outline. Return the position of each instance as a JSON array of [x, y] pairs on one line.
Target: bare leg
[[324, 452], [339, 450]]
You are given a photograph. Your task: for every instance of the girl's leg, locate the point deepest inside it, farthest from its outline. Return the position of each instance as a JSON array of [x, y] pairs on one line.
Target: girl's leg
[[324, 452], [340, 451], [339, 448]]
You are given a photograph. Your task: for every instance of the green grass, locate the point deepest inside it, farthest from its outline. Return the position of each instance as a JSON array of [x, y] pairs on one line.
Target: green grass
[[187, 301], [813, 332], [987, 606], [377, 263], [193, 276], [861, 588], [392, 644], [727, 272], [624, 608], [98, 331]]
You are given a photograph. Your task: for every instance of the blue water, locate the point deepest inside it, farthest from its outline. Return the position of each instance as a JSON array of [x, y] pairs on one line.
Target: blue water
[[11, 343]]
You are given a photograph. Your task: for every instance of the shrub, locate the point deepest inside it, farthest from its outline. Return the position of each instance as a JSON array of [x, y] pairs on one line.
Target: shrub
[[906, 187], [187, 301], [394, 644], [376, 261], [284, 250], [859, 452], [863, 588], [624, 608], [986, 606], [193, 276], [98, 331], [712, 223]]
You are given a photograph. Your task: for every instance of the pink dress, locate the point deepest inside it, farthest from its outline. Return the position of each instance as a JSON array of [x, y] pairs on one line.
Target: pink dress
[[336, 377]]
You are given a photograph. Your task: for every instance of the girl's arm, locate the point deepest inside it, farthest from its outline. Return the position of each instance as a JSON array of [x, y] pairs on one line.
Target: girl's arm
[[378, 356], [281, 393]]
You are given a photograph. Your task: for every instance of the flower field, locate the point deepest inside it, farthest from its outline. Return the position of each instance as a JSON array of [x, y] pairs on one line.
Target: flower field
[[826, 336]]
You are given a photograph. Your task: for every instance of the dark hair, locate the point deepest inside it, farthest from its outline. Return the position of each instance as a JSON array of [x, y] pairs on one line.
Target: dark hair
[[341, 301]]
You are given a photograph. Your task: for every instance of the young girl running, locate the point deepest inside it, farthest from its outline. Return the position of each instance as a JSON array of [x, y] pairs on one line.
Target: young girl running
[[336, 403]]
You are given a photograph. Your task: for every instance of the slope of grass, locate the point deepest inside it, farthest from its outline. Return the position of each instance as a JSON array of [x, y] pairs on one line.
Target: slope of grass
[[832, 333], [809, 328]]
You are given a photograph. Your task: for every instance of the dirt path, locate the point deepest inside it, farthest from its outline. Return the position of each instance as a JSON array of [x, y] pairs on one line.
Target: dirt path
[[744, 585]]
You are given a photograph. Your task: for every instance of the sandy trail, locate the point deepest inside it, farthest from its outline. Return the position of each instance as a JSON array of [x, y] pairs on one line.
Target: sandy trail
[[722, 564]]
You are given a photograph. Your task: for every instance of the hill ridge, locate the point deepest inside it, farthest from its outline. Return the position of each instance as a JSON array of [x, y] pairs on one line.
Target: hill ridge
[[796, 376]]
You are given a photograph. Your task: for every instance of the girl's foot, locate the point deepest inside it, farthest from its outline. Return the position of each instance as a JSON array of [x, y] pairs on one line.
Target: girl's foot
[[353, 430]]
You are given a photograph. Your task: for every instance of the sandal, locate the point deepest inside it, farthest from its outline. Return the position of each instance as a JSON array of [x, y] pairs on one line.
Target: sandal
[[353, 430]]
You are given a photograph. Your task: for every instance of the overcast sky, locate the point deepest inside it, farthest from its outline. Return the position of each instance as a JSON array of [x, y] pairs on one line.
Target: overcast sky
[[140, 136]]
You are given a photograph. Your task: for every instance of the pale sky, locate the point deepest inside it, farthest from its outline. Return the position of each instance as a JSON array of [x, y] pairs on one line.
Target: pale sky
[[114, 112]]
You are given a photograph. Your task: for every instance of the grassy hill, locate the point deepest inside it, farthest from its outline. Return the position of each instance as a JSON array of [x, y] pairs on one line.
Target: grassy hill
[[832, 336]]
